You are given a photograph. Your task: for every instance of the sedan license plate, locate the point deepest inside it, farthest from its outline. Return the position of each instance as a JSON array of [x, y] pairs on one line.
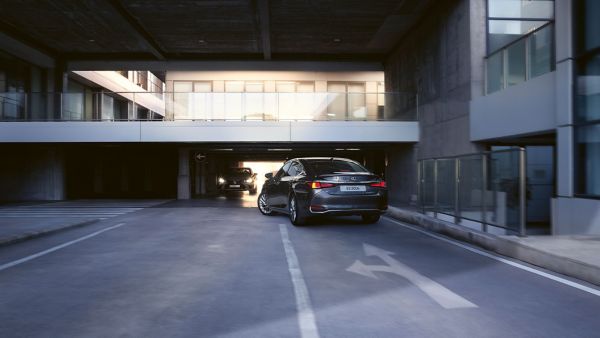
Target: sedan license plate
[[353, 188], [234, 185]]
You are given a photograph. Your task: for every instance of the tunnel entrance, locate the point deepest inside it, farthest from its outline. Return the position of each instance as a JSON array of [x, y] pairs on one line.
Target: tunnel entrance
[[207, 164]]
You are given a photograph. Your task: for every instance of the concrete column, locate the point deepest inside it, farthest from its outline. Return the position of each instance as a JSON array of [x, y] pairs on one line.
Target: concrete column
[[50, 90], [56, 175], [36, 99], [183, 176]]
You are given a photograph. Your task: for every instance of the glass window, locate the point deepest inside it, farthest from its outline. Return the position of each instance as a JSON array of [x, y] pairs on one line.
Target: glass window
[[293, 170], [181, 99], [532, 9], [503, 32], [202, 100], [287, 99], [588, 90], [589, 10], [254, 100], [324, 167], [495, 72], [515, 55], [233, 100], [588, 151], [283, 171], [540, 51], [357, 106], [337, 101]]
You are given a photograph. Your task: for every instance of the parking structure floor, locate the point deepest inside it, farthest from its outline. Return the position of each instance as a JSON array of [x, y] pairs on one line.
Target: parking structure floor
[[218, 268]]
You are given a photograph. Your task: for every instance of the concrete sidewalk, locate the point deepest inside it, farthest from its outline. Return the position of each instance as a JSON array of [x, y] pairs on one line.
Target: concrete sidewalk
[[575, 256], [22, 221]]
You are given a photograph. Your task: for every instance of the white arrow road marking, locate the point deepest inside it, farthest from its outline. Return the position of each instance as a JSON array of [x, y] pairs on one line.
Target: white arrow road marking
[[306, 316], [436, 291]]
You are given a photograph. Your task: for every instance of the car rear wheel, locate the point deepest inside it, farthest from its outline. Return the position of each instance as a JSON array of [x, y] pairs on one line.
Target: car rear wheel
[[297, 216], [263, 207], [370, 218]]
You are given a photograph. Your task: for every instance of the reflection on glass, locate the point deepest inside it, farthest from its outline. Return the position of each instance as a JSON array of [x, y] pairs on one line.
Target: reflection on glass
[[495, 72], [588, 90], [536, 9], [591, 24], [515, 54], [503, 32], [588, 149], [540, 51], [12, 105], [446, 186], [107, 110], [73, 106]]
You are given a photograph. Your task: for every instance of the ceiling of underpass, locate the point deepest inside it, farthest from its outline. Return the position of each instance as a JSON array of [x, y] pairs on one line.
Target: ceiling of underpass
[[225, 29]]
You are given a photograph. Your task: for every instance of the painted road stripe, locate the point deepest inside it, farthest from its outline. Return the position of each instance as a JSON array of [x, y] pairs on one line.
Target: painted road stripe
[[503, 260], [306, 315], [58, 247]]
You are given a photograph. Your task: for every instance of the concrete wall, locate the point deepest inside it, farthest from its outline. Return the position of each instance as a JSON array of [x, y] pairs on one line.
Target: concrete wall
[[401, 174], [434, 60], [442, 60], [28, 173], [575, 216], [527, 108]]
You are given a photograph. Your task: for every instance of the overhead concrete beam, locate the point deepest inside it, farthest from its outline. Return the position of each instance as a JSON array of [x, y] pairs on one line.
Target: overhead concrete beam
[[265, 27], [25, 52], [324, 66], [135, 28]]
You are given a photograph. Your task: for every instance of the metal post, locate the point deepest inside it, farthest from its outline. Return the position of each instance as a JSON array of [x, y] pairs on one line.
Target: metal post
[[419, 185], [457, 190], [435, 187], [522, 192], [484, 225]]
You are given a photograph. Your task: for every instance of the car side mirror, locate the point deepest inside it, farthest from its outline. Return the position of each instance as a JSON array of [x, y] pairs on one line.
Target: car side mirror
[[269, 176]]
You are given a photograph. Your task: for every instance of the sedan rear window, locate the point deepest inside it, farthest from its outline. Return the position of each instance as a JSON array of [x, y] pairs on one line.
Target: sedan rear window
[[324, 167], [244, 171]]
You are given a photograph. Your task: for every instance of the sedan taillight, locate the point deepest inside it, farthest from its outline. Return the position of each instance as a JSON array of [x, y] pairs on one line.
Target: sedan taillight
[[380, 184], [320, 185]]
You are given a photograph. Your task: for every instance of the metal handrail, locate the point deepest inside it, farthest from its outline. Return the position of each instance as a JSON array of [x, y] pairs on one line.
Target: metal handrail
[[519, 39]]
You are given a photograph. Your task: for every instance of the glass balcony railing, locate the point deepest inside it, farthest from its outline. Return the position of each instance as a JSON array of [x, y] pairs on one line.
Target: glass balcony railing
[[525, 58], [175, 106], [488, 188]]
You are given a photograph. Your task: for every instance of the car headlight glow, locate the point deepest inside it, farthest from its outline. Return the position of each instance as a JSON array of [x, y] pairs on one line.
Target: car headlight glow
[[248, 180], [221, 180]]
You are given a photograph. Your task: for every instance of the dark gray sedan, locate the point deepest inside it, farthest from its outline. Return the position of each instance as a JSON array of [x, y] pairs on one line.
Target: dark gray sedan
[[306, 187]]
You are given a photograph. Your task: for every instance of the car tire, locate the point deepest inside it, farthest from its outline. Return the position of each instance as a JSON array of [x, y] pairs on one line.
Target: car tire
[[297, 216], [370, 218], [263, 207]]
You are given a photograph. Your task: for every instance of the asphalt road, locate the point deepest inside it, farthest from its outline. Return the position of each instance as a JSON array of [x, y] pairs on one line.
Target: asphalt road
[[217, 269]]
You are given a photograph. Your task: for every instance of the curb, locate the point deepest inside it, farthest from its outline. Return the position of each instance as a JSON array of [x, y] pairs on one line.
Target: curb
[[503, 246], [31, 235]]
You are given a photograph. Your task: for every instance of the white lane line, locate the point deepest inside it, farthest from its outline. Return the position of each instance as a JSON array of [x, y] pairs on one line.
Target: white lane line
[[503, 260], [58, 247], [306, 315]]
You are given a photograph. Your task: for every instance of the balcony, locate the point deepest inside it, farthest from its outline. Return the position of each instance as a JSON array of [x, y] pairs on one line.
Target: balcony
[[528, 57], [176, 106], [208, 117]]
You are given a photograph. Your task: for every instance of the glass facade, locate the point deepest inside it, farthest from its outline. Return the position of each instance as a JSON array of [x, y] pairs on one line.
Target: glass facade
[[282, 100], [520, 41], [587, 107]]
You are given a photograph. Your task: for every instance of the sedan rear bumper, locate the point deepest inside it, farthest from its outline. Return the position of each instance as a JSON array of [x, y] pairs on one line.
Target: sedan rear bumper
[[325, 203]]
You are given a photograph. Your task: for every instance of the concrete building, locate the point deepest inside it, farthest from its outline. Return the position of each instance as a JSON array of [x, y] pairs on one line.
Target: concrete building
[[433, 95]]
